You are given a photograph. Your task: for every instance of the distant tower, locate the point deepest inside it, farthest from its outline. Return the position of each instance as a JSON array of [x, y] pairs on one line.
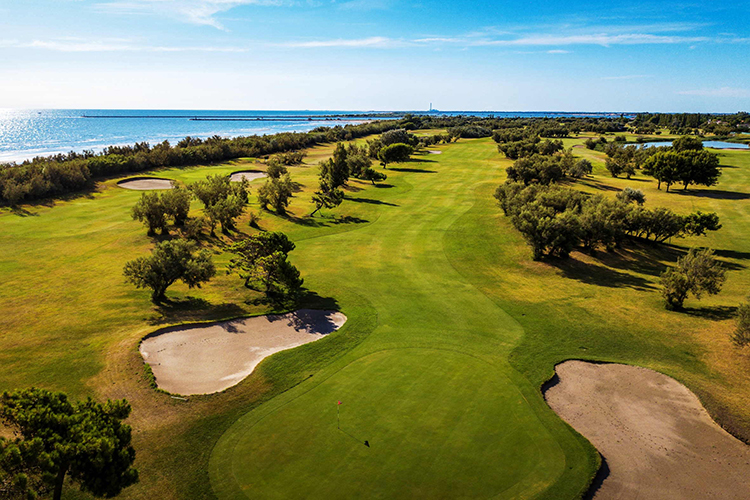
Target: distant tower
[[430, 106]]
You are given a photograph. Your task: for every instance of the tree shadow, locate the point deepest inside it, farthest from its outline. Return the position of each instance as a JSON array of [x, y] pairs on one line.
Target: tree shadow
[[732, 254], [593, 274], [597, 185], [714, 313], [371, 201], [383, 185], [192, 309], [414, 170], [420, 160], [323, 222], [22, 212], [714, 194]]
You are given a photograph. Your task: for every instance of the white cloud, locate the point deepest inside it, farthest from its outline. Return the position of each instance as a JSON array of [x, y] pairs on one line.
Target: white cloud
[[558, 51], [109, 45], [625, 77], [200, 12], [729, 92], [375, 41]]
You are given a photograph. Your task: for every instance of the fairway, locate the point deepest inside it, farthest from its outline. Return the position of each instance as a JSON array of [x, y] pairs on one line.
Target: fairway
[[430, 388]]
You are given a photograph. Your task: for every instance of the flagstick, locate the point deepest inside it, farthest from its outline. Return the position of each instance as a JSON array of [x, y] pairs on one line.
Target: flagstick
[[338, 416]]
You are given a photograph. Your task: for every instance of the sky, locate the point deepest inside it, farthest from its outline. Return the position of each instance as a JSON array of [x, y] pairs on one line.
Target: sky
[[667, 56]]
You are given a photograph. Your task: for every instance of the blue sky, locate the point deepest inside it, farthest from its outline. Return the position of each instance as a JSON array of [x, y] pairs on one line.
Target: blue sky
[[376, 55]]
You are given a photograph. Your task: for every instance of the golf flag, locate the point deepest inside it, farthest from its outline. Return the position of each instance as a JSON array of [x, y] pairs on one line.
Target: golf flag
[[339, 402]]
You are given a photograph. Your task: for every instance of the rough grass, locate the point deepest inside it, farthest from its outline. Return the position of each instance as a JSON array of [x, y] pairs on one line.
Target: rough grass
[[452, 329]]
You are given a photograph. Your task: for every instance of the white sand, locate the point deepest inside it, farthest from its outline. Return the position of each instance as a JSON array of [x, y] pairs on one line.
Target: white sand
[[435, 152], [211, 358], [250, 175], [655, 436], [146, 184]]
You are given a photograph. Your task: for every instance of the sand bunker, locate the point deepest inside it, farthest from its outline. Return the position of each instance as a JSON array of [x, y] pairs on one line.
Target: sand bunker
[[210, 358], [434, 152], [250, 175], [656, 438], [146, 183]]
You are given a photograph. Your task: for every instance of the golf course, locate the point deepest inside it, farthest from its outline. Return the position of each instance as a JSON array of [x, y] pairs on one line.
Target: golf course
[[434, 385]]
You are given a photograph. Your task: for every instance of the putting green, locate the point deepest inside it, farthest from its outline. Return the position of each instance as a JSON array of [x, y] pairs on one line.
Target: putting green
[[431, 419], [430, 388]]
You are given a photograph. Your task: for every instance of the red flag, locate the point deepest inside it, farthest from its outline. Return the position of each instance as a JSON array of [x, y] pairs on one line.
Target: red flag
[[339, 402]]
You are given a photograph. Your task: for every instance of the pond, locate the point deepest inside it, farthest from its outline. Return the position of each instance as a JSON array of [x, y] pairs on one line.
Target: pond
[[706, 144]]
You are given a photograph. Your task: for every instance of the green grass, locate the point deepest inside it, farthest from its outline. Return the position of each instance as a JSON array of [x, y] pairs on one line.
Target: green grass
[[452, 329]]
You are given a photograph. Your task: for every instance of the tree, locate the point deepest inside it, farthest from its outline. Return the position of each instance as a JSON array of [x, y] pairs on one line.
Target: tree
[[741, 334], [176, 204], [398, 136], [664, 166], [687, 143], [370, 174], [276, 193], [261, 260], [699, 167], [276, 169], [326, 197], [57, 438], [629, 195], [335, 170], [394, 153], [581, 168], [697, 273], [150, 210], [222, 199], [547, 232], [170, 261], [536, 169]]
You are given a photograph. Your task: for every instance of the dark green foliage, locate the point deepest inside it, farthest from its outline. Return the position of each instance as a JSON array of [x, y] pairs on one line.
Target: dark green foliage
[[687, 143], [630, 195], [741, 334], [276, 169], [394, 153], [697, 273], [224, 201], [326, 197], [398, 136], [370, 174], [602, 223], [170, 261], [536, 169], [688, 167], [151, 211], [581, 168], [261, 260], [276, 193], [696, 224], [289, 158], [335, 171], [547, 232], [55, 438], [547, 147], [468, 132], [176, 204]]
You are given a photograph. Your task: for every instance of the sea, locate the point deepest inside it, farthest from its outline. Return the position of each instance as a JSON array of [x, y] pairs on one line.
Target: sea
[[27, 133]]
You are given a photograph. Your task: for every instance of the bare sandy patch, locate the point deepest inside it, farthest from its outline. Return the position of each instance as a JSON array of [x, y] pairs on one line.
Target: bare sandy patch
[[146, 183], [250, 175], [656, 439], [435, 152], [210, 358]]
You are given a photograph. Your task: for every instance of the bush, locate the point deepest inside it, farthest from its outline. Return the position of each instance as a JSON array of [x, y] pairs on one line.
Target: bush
[[697, 273], [629, 195], [581, 168]]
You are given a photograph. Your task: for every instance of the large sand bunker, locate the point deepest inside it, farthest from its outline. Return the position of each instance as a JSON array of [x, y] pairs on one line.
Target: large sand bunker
[[146, 183], [250, 175], [657, 440], [210, 358]]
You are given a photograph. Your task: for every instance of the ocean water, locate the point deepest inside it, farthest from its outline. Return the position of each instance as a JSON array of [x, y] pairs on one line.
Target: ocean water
[[25, 134]]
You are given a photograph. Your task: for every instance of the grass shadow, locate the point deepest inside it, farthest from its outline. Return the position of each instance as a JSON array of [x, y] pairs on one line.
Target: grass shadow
[[592, 274], [371, 201], [713, 313], [192, 309], [714, 194], [414, 170]]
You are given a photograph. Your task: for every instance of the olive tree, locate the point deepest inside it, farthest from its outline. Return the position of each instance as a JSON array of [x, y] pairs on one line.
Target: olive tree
[[394, 153], [55, 438], [150, 210], [169, 262], [276, 193], [261, 260], [696, 273]]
